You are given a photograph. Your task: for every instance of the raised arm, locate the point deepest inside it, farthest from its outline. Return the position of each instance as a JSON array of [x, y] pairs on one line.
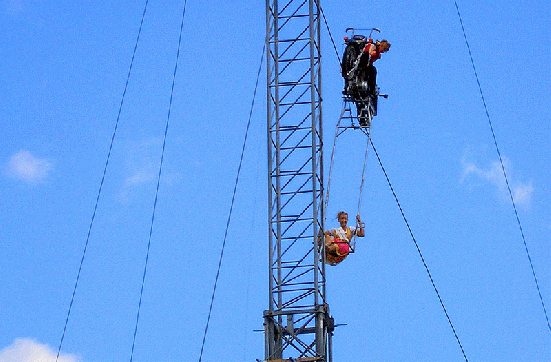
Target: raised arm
[[360, 229]]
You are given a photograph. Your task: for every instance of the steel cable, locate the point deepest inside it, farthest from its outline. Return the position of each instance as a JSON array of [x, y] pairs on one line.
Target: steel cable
[[411, 233], [231, 206], [330, 35], [102, 181], [503, 167], [419, 252], [158, 182], [409, 228], [359, 224]]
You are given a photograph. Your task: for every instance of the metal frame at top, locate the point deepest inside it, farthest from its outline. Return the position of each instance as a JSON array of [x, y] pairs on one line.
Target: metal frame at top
[[297, 322]]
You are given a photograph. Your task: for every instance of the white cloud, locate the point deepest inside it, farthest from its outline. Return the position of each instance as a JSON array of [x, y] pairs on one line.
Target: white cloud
[[29, 350], [141, 176], [141, 168], [522, 192], [24, 166]]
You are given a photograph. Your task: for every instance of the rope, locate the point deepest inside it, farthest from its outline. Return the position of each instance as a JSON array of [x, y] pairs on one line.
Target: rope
[[158, 181], [101, 183], [503, 168], [419, 252], [363, 172], [368, 133], [332, 160], [231, 205], [358, 225]]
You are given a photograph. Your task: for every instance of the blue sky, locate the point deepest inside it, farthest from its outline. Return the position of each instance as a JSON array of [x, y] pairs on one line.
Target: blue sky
[[63, 65]]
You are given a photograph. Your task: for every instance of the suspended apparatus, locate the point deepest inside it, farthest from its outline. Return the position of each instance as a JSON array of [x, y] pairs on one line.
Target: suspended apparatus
[[360, 76], [340, 242], [360, 89]]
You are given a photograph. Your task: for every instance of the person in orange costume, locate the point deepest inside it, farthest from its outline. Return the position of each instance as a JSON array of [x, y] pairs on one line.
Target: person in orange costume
[[374, 50]]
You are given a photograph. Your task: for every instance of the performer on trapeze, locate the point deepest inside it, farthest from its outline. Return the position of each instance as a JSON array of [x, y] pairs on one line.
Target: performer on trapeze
[[337, 241]]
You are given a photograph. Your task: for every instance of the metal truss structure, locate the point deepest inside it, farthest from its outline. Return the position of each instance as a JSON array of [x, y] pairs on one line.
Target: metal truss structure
[[297, 323], [349, 120]]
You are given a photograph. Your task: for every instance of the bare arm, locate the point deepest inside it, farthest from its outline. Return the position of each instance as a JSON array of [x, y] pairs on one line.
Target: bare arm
[[360, 230]]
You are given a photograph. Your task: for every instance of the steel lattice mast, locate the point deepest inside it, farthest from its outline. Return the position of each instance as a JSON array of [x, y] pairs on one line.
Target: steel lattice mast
[[297, 323]]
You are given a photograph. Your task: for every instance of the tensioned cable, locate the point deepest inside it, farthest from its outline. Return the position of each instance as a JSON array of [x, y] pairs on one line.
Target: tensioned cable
[[231, 205], [158, 181], [503, 167], [411, 233], [330, 35], [419, 252], [331, 163], [358, 224], [102, 181]]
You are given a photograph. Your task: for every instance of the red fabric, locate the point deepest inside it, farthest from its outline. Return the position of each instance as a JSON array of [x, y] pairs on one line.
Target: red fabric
[[343, 248], [374, 52]]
